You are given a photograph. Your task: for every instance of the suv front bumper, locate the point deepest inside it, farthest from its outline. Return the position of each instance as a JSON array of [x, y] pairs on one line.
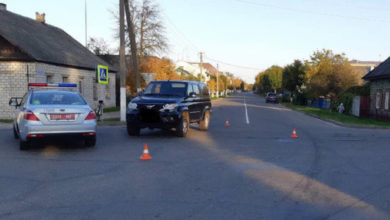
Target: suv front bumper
[[166, 120]]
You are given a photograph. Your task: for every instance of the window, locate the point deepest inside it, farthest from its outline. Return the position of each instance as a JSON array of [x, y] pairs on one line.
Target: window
[[108, 91], [205, 90], [81, 86], [387, 96], [378, 99], [196, 89], [58, 98], [189, 90], [166, 89], [49, 79], [65, 79]]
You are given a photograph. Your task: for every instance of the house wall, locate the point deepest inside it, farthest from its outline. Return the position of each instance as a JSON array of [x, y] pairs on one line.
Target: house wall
[[382, 86], [13, 83]]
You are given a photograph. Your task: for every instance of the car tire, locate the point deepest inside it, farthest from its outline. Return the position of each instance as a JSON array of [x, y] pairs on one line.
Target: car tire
[[90, 141], [16, 136], [132, 130], [204, 123], [24, 145], [183, 126]]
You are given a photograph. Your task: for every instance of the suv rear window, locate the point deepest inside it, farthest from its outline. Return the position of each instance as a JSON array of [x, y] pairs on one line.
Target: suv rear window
[[56, 99], [166, 89]]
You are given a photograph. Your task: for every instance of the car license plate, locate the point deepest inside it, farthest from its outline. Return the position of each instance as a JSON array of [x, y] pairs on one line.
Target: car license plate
[[62, 117]]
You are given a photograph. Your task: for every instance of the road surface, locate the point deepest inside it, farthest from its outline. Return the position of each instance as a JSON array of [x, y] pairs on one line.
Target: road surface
[[250, 170]]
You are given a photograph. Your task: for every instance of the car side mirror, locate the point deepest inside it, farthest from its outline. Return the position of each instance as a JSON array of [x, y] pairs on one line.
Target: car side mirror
[[14, 102], [140, 93]]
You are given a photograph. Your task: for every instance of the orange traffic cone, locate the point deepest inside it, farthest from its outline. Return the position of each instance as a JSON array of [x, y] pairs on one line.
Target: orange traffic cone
[[145, 155], [294, 134], [227, 124]]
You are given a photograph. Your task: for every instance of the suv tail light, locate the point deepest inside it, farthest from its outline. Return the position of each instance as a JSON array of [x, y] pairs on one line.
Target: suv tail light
[[91, 116], [30, 116]]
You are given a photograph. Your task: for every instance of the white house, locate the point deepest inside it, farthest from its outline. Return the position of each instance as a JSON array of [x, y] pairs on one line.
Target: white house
[[32, 51], [194, 69]]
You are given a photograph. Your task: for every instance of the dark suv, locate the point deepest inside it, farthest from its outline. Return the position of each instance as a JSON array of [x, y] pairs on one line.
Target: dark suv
[[170, 105]]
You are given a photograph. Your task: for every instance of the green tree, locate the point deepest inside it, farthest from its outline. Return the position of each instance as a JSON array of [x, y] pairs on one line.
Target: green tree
[[329, 73], [274, 74], [293, 76], [265, 84]]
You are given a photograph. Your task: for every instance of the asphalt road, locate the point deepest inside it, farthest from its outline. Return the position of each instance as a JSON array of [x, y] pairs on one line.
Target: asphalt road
[[250, 170]]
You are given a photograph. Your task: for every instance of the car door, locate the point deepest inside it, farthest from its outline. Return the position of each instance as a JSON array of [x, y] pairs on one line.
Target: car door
[[190, 102], [19, 112], [197, 105]]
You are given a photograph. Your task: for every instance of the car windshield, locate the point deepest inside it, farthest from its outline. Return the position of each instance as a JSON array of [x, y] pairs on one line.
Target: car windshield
[[271, 94], [166, 89], [56, 98]]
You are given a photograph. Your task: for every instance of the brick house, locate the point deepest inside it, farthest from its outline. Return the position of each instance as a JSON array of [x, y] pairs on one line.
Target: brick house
[[380, 90], [33, 51]]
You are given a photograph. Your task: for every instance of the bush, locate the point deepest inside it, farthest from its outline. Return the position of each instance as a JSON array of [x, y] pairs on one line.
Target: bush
[[347, 99], [300, 99], [363, 90]]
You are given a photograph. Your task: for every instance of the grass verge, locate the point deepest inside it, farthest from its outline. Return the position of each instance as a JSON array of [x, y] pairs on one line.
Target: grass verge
[[111, 119], [6, 120], [111, 109], [345, 119], [220, 97]]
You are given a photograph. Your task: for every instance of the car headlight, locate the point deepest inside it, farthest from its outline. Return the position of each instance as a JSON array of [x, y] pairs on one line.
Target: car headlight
[[132, 106], [169, 107]]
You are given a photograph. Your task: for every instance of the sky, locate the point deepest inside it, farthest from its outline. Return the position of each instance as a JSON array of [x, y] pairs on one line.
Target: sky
[[241, 36]]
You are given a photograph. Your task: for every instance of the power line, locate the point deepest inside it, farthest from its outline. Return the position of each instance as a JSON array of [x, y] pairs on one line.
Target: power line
[[298, 10], [233, 65], [177, 30]]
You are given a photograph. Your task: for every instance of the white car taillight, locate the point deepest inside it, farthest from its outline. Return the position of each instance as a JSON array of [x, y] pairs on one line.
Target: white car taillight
[[30, 116], [91, 116]]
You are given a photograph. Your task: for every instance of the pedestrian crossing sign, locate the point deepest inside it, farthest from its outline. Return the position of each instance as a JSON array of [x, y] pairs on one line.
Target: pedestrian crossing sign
[[102, 74]]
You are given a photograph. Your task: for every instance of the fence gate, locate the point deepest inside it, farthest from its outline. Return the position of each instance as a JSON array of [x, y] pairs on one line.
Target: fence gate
[[364, 107]]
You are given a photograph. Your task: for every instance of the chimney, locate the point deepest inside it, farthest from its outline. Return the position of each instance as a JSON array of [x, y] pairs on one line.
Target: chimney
[[3, 7], [40, 17]]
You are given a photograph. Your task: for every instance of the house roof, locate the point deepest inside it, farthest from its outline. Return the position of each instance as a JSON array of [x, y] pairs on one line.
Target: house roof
[[210, 68], [45, 43], [360, 62], [380, 72]]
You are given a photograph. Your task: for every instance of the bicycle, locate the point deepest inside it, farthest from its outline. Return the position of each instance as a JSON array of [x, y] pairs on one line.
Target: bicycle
[[99, 110]]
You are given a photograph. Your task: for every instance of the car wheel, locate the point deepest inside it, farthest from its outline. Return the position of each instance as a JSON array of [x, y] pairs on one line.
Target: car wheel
[[24, 145], [132, 130], [16, 136], [204, 124], [183, 126], [90, 141]]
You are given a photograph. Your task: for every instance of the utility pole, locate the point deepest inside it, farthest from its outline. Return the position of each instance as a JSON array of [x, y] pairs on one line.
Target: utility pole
[[86, 27], [217, 80], [122, 67], [132, 44], [201, 65]]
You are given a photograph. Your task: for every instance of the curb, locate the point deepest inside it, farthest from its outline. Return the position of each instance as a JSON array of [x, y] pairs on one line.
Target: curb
[[111, 123], [340, 123]]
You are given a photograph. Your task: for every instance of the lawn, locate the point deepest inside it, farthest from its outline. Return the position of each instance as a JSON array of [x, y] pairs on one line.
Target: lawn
[[346, 119], [6, 120], [215, 98], [111, 119], [111, 109]]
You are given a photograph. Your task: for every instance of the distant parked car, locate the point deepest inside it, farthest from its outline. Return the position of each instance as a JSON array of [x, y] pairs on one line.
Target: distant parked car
[[271, 97], [51, 113]]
